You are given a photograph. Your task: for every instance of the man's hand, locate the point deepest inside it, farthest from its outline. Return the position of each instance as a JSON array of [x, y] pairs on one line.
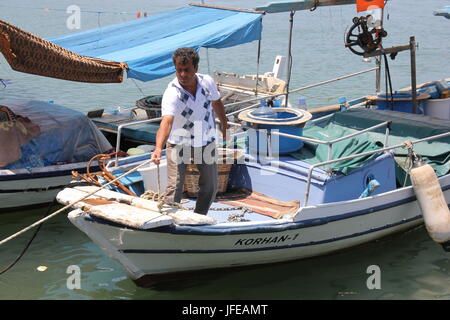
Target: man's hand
[[161, 137], [219, 110], [156, 156]]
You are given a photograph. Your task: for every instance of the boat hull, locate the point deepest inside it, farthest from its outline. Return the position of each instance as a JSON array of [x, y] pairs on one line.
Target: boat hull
[[21, 189], [149, 255]]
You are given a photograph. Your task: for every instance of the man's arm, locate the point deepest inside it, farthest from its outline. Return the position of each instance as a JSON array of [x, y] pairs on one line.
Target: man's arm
[[161, 137], [219, 110]]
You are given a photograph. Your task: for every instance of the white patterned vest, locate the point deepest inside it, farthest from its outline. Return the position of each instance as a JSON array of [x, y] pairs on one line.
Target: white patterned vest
[[193, 117]]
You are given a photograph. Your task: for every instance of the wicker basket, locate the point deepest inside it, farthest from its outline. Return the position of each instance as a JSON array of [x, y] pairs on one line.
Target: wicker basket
[[226, 159]]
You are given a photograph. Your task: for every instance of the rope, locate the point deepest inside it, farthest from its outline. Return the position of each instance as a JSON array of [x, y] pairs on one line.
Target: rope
[[154, 196], [72, 203], [139, 88], [316, 4], [15, 261], [388, 80], [64, 10]]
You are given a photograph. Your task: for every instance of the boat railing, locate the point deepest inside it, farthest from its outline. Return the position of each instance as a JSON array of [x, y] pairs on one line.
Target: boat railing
[[331, 142], [362, 154], [243, 109], [303, 88], [128, 124]]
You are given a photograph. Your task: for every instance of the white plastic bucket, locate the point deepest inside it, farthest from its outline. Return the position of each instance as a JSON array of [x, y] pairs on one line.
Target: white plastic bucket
[[150, 176], [438, 108]]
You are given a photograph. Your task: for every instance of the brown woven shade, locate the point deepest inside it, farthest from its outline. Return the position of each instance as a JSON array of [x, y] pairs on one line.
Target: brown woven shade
[[28, 53]]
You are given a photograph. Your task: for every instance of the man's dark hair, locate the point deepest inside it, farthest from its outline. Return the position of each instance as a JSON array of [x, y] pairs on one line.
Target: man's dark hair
[[186, 54]]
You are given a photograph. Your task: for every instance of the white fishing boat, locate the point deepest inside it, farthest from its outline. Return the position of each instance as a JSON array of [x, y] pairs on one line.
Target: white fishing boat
[[294, 187], [302, 187], [279, 208], [41, 144]]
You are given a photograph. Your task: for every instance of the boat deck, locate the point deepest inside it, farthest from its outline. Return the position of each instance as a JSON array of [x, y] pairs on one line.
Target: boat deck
[[143, 133], [244, 205]]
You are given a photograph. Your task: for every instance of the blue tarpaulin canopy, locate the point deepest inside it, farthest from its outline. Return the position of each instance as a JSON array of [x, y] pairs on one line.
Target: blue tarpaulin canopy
[[147, 44]]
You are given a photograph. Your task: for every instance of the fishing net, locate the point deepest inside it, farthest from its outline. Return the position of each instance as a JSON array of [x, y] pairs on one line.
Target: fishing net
[[28, 53]]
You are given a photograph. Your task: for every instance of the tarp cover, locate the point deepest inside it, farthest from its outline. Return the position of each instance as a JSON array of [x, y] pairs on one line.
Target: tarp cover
[[147, 44], [66, 135]]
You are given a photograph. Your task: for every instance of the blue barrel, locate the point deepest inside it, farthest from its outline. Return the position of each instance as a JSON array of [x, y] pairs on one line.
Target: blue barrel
[[384, 102], [285, 145]]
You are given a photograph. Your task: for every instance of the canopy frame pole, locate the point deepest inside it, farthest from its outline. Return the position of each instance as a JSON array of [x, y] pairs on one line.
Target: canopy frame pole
[[207, 61], [257, 67], [226, 8], [289, 67], [207, 54], [378, 61], [412, 44]]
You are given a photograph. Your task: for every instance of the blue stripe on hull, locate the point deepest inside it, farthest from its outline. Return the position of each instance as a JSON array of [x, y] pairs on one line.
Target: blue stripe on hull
[[186, 230], [312, 243], [46, 174]]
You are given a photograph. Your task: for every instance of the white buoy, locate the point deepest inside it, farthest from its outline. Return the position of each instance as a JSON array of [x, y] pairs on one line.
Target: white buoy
[[432, 202]]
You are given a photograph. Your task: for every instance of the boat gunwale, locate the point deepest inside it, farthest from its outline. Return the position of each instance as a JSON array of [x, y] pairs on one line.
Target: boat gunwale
[[278, 225], [46, 171]]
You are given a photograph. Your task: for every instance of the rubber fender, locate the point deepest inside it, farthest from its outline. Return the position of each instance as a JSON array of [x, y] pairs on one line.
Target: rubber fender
[[432, 202]]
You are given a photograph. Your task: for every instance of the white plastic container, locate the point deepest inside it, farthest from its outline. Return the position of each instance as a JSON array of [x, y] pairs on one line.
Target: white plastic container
[[150, 176], [302, 103], [438, 108], [147, 148]]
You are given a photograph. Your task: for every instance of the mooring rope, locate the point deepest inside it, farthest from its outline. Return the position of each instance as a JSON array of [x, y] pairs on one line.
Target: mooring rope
[[72, 203]]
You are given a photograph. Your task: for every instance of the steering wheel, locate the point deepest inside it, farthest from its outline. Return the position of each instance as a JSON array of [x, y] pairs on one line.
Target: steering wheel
[[367, 40]]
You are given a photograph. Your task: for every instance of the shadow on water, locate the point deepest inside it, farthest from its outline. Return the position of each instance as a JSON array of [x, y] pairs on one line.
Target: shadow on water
[[412, 267], [342, 275]]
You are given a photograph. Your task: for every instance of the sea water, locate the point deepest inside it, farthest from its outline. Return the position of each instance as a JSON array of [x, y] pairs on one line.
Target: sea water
[[410, 265]]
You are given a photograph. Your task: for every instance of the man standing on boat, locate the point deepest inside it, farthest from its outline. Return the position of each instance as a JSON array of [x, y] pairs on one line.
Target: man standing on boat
[[188, 127]]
